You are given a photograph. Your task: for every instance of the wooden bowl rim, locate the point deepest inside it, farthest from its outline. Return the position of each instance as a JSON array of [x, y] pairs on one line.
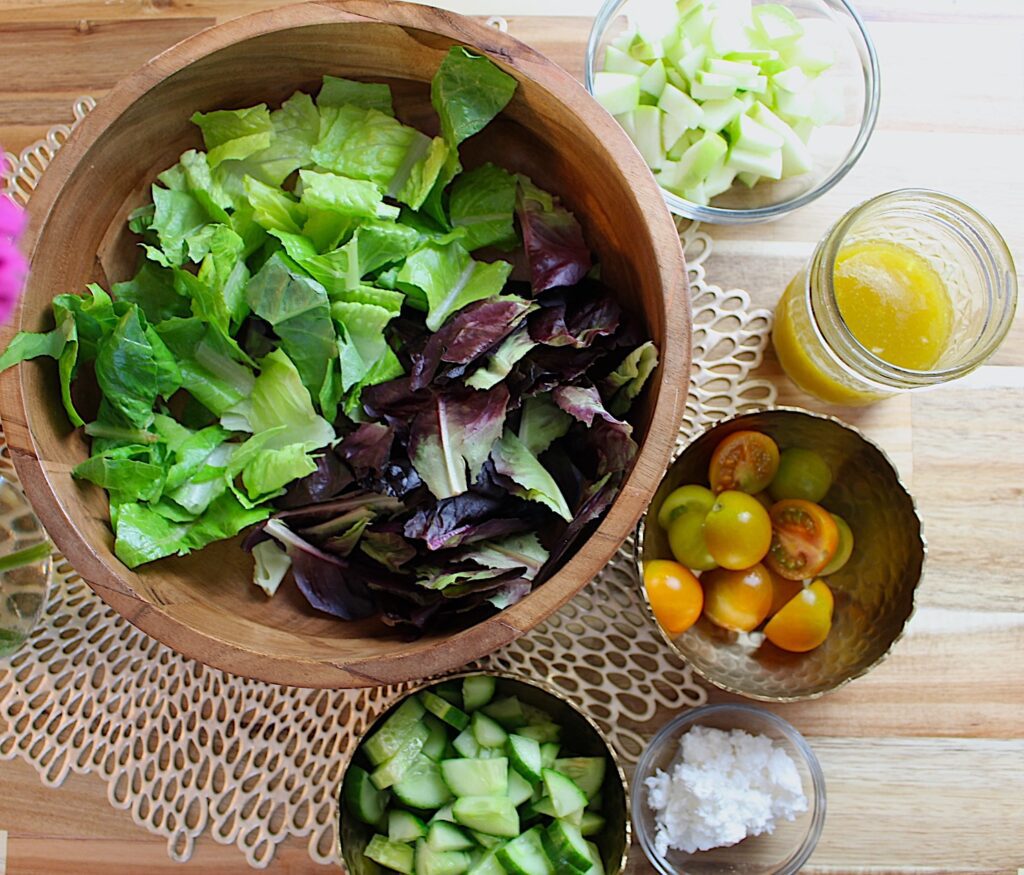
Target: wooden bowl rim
[[418, 660]]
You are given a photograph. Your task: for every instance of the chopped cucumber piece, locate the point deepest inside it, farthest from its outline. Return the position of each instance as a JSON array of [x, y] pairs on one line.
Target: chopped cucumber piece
[[444, 813], [477, 691], [519, 789], [647, 121], [720, 179], [394, 732], [549, 753], [476, 777], [591, 823], [494, 815], [444, 836], [748, 179], [507, 711], [526, 856], [542, 732], [486, 841], [422, 786], [390, 855], [792, 79], [431, 862], [626, 122], [799, 105], [566, 847], [618, 61], [451, 692], [596, 863], [742, 72], [365, 800], [437, 740], [566, 797], [695, 163], [654, 79], [617, 92], [525, 756], [544, 807], [445, 710], [586, 772], [644, 49], [404, 826], [466, 745], [392, 771], [488, 864], [488, 732]]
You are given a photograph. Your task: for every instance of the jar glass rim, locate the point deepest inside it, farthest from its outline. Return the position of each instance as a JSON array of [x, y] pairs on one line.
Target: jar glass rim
[[857, 358]]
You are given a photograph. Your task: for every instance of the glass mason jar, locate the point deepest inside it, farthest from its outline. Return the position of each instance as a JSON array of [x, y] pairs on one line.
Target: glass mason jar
[[819, 352]]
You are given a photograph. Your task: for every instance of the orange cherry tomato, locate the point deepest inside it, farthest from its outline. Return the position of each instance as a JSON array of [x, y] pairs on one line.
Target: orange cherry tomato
[[804, 539], [675, 595], [845, 549], [737, 600], [744, 460], [737, 530], [782, 591], [804, 621]]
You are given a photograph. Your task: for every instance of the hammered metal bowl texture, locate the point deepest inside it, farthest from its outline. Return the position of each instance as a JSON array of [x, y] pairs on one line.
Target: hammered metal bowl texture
[[580, 735], [874, 592]]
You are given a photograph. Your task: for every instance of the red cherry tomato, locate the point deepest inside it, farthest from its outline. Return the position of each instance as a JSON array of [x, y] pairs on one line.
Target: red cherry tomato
[[804, 539]]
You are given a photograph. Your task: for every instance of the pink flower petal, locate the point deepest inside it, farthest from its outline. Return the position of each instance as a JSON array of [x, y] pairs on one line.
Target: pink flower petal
[[12, 219]]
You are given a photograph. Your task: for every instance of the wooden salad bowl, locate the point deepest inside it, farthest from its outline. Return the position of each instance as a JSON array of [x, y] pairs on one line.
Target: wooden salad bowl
[[205, 605]]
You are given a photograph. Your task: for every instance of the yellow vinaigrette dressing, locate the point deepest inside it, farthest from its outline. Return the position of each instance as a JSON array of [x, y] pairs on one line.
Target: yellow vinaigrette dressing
[[894, 303], [869, 316]]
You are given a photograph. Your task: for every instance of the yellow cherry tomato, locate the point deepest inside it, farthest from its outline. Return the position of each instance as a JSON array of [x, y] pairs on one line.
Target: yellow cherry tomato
[[737, 530], [682, 500], [737, 600], [845, 549], [782, 591], [675, 595], [804, 621], [686, 540]]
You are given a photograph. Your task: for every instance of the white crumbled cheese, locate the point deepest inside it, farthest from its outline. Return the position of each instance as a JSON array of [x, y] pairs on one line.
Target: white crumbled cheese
[[725, 787]]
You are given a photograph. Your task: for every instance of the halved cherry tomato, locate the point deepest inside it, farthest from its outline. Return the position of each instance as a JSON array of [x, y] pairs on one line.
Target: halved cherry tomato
[[737, 530], [804, 539], [804, 621], [737, 600], [744, 460], [675, 595], [683, 499], [843, 551], [782, 591]]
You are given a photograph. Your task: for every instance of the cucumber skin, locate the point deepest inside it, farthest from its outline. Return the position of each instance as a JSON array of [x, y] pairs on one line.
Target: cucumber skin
[[384, 743], [391, 855], [477, 691], [367, 808], [445, 710]]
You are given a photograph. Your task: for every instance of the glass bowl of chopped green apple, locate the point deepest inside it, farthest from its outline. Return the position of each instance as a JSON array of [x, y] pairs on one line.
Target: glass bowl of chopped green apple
[[743, 110], [728, 788]]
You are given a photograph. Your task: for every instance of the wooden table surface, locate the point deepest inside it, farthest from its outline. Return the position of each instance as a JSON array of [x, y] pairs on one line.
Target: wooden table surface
[[924, 758]]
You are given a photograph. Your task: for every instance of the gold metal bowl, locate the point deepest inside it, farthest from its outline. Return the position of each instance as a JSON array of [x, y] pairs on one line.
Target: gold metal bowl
[[874, 591], [583, 737]]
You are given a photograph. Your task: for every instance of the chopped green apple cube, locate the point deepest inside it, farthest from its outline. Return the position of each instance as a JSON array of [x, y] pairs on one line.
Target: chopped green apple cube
[[768, 164], [618, 61], [647, 121], [653, 81], [617, 92]]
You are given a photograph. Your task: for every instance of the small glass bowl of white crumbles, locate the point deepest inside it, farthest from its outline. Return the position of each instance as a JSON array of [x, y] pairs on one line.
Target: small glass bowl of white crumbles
[[728, 788]]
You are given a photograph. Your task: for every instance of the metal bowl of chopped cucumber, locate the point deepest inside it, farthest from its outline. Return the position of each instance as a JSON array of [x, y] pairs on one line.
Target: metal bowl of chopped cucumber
[[483, 774], [744, 110]]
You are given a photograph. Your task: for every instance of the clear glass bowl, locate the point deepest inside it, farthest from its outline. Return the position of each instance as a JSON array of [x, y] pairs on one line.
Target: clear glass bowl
[[835, 147], [780, 853]]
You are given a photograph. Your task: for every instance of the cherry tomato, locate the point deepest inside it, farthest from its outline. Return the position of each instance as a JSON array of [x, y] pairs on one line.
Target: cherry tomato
[[737, 530], [782, 591], [744, 460], [686, 539], [675, 595], [801, 474], [804, 539], [737, 600], [804, 621], [683, 499], [844, 550]]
